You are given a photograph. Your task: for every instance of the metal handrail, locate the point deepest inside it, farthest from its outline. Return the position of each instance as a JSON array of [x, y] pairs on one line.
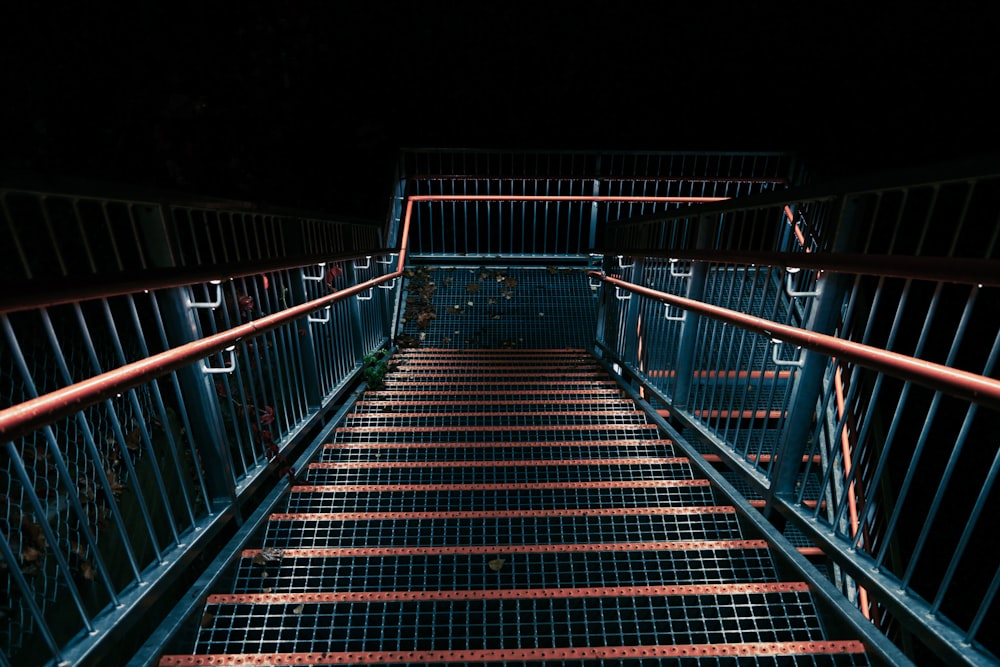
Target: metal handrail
[[25, 298], [35, 413], [969, 271], [965, 385]]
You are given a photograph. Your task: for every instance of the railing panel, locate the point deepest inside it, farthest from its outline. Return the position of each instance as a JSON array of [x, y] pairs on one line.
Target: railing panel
[[900, 464], [102, 506]]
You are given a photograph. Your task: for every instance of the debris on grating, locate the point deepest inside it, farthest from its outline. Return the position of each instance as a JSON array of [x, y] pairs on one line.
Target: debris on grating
[[269, 555], [496, 564]]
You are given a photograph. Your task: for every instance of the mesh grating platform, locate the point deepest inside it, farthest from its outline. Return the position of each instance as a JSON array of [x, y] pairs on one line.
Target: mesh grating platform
[[492, 507], [501, 307]]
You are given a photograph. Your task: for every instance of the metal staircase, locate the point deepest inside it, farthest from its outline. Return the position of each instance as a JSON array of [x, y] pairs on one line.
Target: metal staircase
[[507, 506], [559, 407]]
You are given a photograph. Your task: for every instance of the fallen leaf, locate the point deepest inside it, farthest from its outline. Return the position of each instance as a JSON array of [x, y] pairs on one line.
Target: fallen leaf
[[132, 439], [206, 620], [299, 609], [510, 282], [496, 564], [269, 589], [87, 570], [472, 288], [552, 270]]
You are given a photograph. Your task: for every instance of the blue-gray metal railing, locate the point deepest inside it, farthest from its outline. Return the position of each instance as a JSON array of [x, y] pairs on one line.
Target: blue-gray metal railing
[[105, 505], [877, 472], [538, 219]]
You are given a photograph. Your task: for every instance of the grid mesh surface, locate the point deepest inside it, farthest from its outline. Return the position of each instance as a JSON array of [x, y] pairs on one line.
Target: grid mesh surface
[[499, 474], [474, 503], [442, 625], [504, 452], [510, 308], [486, 530], [520, 570], [448, 500]]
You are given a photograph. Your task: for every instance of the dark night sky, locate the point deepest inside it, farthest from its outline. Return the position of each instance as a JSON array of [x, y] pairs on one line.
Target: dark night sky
[[306, 103]]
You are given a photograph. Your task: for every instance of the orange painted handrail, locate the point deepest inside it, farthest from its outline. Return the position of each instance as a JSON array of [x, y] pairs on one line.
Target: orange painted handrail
[[968, 386]]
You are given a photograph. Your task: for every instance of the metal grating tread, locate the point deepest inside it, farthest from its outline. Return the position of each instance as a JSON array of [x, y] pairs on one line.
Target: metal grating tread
[[425, 621], [479, 514], [474, 405], [527, 433], [499, 497], [784, 654], [664, 564], [515, 308], [572, 526], [496, 451], [510, 472]]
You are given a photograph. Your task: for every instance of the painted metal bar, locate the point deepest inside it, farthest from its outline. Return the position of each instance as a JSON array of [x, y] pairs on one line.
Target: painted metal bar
[[510, 594], [340, 446], [476, 550], [352, 465], [503, 514], [969, 386], [971, 270], [533, 655], [84, 288], [27, 592], [524, 486]]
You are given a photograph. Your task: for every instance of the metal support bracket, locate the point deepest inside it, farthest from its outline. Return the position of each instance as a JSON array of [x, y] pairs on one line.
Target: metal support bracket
[[624, 266], [321, 320], [387, 261], [798, 363], [618, 294], [674, 318], [789, 272], [228, 368], [191, 303], [389, 285], [679, 274], [368, 262], [366, 298], [320, 277]]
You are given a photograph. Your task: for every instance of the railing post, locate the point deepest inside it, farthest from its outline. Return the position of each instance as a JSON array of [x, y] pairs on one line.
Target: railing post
[[202, 404], [354, 307], [630, 345], [688, 340], [197, 388], [594, 207], [307, 346], [807, 384]]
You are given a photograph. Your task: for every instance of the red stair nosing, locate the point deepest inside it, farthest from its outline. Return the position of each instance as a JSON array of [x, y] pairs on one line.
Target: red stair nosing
[[597, 653], [520, 486], [350, 552], [493, 445], [693, 510], [511, 593], [496, 464], [453, 429]]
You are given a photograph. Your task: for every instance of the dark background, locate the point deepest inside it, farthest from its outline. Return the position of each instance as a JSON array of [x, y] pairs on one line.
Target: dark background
[[306, 104]]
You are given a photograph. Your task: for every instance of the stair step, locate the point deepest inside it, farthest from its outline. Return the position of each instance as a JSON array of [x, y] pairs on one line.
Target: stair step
[[513, 527], [507, 507], [535, 566], [500, 497]]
